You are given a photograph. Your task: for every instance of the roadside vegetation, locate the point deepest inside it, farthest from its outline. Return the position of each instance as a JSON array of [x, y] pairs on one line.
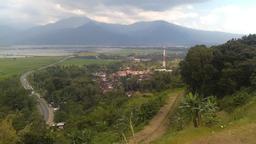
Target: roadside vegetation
[[20, 122], [221, 94]]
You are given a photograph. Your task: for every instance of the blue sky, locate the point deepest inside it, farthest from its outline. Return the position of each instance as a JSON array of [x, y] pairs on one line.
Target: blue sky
[[235, 16]]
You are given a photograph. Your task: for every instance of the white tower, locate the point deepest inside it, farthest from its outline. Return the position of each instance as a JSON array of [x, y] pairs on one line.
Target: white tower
[[164, 59]]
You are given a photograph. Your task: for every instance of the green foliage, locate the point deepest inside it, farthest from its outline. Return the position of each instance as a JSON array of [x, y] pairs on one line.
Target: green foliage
[[197, 70], [192, 108], [199, 110], [80, 137], [90, 114], [230, 103], [220, 70], [35, 138], [8, 134], [15, 100], [209, 113], [253, 80], [37, 133], [19, 120], [146, 111], [158, 81]]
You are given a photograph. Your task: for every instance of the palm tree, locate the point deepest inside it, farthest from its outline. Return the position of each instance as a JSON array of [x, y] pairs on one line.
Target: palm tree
[[192, 106], [195, 106]]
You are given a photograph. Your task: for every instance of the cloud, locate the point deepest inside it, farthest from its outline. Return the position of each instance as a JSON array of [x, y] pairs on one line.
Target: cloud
[[152, 5], [227, 17], [33, 12]]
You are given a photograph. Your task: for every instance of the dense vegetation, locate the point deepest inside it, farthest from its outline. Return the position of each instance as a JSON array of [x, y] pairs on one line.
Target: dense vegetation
[[221, 92], [159, 81], [226, 71], [92, 116], [220, 79], [19, 120], [221, 70]]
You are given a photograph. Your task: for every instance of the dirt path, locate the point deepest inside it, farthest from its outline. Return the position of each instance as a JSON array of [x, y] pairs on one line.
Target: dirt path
[[159, 124]]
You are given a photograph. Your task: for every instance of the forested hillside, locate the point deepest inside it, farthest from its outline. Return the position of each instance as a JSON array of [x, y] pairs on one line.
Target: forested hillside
[[221, 70], [19, 121], [221, 94]]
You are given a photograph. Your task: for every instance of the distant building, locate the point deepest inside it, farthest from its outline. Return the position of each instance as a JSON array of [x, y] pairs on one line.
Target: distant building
[[131, 72], [56, 108], [139, 59], [163, 70], [59, 125]]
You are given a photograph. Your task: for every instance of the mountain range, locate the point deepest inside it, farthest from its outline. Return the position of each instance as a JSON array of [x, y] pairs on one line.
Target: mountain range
[[84, 31]]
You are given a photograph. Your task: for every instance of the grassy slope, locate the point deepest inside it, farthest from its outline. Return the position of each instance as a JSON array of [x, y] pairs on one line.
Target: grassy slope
[[158, 125], [11, 67], [137, 100], [239, 127]]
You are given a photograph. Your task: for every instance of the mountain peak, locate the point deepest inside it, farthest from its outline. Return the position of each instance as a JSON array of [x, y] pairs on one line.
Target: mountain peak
[[71, 22], [82, 30]]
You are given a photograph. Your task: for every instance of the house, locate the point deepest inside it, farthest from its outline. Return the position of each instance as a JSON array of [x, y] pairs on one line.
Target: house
[[60, 125], [163, 70]]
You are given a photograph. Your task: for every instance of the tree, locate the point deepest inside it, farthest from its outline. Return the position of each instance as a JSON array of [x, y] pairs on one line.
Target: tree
[[80, 137], [197, 70], [192, 107], [220, 70], [209, 111], [199, 109], [253, 79], [8, 134]]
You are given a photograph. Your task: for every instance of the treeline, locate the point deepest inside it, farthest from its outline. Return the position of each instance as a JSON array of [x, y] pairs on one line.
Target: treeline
[[158, 81], [60, 85], [218, 78], [221, 70], [20, 122]]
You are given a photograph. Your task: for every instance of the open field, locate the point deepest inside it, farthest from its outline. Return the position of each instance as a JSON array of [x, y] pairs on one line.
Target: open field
[[15, 66], [82, 61], [145, 51]]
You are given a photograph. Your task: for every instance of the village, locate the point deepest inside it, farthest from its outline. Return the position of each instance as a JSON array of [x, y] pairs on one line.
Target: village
[[108, 82]]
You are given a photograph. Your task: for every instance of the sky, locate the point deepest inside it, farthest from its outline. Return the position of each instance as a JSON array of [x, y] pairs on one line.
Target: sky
[[234, 16]]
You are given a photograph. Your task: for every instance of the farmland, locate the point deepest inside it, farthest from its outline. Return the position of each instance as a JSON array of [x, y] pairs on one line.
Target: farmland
[[15, 66], [80, 61]]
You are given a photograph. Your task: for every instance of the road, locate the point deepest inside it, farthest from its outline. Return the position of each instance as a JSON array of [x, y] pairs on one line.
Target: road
[[44, 108], [159, 124]]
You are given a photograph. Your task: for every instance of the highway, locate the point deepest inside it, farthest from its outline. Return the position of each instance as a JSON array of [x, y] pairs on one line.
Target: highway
[[44, 108]]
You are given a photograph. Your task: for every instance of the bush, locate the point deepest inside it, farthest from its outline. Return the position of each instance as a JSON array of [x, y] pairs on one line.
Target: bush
[[230, 103], [199, 110], [240, 98]]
